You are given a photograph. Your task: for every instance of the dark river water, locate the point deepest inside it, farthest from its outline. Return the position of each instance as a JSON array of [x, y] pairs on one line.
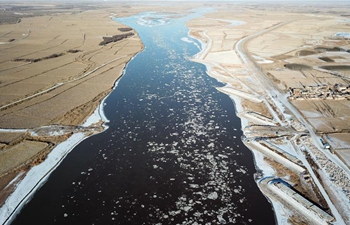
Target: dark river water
[[172, 153]]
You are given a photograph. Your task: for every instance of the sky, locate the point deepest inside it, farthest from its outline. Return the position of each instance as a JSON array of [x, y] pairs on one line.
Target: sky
[[250, 1]]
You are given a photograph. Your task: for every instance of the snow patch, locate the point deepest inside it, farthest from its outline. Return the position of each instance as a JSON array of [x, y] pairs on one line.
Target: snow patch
[[35, 178]]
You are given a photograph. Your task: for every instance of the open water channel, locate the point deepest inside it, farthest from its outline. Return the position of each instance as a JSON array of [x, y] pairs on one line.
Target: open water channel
[[172, 153]]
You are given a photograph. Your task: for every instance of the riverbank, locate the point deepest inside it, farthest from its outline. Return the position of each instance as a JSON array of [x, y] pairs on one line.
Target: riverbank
[[272, 127], [26, 184], [75, 120], [35, 116], [251, 58], [213, 70], [167, 155]]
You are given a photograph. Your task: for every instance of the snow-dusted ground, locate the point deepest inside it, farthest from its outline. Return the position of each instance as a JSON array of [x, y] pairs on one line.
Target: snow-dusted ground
[[311, 215], [98, 114], [342, 34], [95, 117], [233, 22], [231, 91], [13, 130], [36, 177], [50, 133], [285, 146], [262, 60], [281, 103], [260, 163]]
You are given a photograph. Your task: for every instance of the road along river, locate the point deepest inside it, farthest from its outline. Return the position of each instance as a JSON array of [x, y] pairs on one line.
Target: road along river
[[172, 153]]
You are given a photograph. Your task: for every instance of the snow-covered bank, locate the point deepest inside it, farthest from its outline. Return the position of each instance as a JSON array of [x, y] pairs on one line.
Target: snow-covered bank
[[99, 114], [260, 163], [13, 130], [38, 175], [35, 178]]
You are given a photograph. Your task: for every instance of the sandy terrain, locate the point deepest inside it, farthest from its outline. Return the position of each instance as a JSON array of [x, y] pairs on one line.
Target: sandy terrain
[[287, 73]]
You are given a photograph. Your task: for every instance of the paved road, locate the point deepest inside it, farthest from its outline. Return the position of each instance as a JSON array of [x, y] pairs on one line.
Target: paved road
[[271, 90], [248, 60]]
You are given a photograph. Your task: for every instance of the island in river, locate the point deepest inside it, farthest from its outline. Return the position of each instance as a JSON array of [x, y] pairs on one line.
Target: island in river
[[286, 72]]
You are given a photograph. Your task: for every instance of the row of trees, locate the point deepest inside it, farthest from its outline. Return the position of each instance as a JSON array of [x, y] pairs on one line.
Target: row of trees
[[115, 38]]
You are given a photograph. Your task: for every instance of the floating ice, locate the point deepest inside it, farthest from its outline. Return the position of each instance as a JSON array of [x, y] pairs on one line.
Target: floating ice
[[213, 196], [194, 185], [221, 219], [187, 208]]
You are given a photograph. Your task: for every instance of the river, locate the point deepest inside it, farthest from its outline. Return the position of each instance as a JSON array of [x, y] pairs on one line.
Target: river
[[172, 153]]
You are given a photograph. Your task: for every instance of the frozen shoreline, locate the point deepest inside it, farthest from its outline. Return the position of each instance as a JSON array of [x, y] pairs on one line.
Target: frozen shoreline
[[37, 176], [258, 157]]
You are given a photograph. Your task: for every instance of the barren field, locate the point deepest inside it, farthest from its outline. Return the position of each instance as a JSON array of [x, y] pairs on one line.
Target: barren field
[[284, 65], [53, 70], [340, 143], [269, 58], [27, 149], [71, 51], [308, 60]]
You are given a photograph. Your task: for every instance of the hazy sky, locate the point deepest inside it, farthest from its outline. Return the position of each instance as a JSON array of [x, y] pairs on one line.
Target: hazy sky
[[72, 1], [308, 2]]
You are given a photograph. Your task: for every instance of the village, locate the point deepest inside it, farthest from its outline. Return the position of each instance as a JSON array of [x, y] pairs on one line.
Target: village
[[329, 92]]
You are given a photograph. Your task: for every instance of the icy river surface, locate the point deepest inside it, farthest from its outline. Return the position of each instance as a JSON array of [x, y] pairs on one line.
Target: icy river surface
[[172, 153]]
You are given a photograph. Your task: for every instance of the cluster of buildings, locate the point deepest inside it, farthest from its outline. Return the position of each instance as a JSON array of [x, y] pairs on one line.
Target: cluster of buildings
[[336, 91]]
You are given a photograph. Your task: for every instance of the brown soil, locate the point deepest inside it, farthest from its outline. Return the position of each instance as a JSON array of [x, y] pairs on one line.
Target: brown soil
[[337, 67], [281, 57], [330, 49], [54, 140], [326, 59], [78, 115], [20, 158], [312, 194], [40, 59], [306, 52], [292, 56], [282, 171], [260, 108], [14, 157], [294, 219], [9, 139], [59, 48], [293, 66], [6, 189]]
